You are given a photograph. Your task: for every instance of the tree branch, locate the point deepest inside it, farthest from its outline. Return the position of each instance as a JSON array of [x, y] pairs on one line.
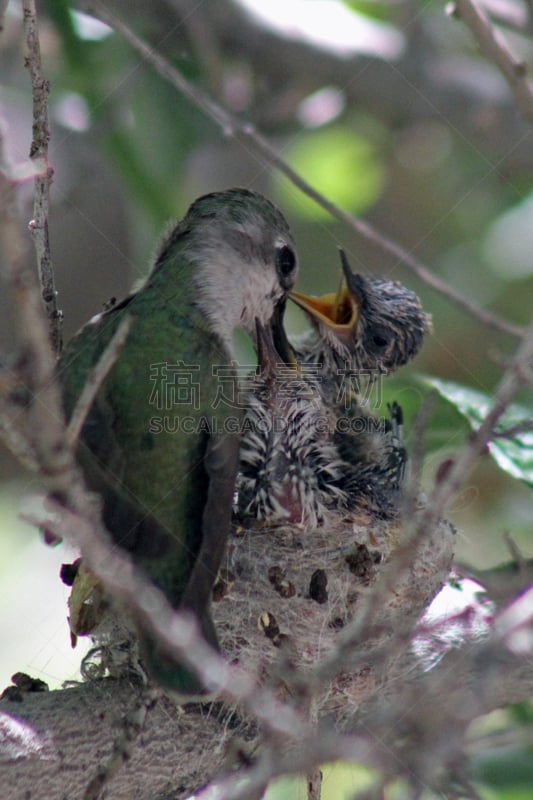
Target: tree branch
[[95, 379], [494, 48], [123, 748], [275, 684], [177, 632], [43, 174], [254, 142]]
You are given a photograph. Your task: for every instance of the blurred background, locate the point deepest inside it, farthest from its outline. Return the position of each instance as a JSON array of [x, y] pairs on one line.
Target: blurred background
[[385, 107]]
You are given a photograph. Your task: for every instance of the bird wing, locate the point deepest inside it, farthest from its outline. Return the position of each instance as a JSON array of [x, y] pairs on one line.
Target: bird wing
[[220, 463], [99, 450]]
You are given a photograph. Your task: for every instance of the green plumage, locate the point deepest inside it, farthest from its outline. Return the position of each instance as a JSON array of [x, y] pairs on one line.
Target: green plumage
[[167, 486]]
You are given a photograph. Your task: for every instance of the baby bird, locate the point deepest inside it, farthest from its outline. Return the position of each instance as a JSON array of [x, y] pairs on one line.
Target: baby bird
[[369, 326], [290, 471], [367, 330]]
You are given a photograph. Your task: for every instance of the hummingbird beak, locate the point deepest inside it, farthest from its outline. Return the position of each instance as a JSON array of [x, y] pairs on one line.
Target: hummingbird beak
[[268, 358], [273, 347], [281, 343], [339, 310]]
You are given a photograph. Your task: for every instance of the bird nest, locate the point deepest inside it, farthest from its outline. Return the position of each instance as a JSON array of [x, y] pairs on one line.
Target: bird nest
[[286, 602], [285, 596]]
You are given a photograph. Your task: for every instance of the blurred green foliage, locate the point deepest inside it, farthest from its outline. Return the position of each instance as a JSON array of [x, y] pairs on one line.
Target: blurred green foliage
[[341, 164], [427, 143]]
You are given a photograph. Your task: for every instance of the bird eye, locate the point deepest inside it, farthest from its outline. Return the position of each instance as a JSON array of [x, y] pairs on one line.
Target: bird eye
[[380, 341], [285, 262]]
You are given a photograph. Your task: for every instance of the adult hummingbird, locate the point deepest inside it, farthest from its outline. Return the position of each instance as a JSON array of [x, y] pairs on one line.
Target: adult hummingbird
[[160, 442]]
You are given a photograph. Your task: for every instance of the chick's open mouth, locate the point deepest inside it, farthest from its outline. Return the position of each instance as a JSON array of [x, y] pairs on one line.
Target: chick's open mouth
[[338, 310]]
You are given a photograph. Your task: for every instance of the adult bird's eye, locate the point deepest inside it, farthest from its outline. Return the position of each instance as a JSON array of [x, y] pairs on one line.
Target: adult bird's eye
[[285, 261]]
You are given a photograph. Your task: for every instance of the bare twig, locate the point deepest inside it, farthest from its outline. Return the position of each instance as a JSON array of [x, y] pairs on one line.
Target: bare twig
[[44, 173], [177, 632], [314, 784], [514, 550], [494, 49], [517, 373], [515, 430], [317, 749], [504, 582], [257, 145], [362, 627], [95, 379]]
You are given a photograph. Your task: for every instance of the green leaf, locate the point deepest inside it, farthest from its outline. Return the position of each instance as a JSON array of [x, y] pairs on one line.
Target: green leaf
[[513, 451], [342, 165], [511, 769]]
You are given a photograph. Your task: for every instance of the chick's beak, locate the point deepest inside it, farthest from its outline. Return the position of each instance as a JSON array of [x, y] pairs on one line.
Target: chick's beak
[[338, 310]]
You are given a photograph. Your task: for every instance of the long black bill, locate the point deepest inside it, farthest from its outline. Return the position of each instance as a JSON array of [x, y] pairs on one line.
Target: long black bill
[[279, 336], [268, 358]]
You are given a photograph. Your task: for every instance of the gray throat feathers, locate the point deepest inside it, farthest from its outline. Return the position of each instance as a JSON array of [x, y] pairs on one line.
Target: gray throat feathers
[[228, 296]]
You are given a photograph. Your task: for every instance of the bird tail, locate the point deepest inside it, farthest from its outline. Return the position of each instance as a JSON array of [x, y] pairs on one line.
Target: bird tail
[[173, 675]]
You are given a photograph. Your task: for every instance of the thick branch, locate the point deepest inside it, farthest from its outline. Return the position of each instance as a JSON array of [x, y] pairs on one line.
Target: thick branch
[[50, 738]]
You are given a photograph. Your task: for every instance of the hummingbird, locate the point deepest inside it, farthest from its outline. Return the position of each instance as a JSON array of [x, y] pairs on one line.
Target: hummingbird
[[293, 468], [310, 444], [159, 443], [367, 329], [290, 471], [368, 324]]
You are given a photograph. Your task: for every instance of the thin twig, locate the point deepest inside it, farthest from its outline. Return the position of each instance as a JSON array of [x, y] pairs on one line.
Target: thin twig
[[516, 374], [504, 582], [314, 784], [246, 134], [177, 632], [494, 48], [516, 553], [362, 627], [95, 379], [319, 748], [44, 174], [515, 430], [411, 486]]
